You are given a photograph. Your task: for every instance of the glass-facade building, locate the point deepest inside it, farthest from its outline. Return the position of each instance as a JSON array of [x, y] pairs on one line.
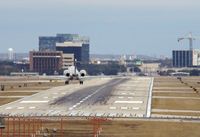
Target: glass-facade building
[[48, 43], [182, 58], [81, 53]]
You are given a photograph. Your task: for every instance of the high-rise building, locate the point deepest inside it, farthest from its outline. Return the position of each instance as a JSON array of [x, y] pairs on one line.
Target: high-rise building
[[79, 49], [186, 58], [47, 62], [49, 43]]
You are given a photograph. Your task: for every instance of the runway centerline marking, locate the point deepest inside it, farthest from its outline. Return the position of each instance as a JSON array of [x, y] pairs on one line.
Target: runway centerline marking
[[89, 96]]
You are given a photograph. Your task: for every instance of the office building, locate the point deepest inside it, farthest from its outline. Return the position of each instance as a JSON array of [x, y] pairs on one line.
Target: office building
[[45, 62], [79, 49], [68, 60], [186, 58], [49, 43]]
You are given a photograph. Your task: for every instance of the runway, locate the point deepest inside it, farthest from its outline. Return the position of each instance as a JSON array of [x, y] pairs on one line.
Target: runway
[[105, 97]]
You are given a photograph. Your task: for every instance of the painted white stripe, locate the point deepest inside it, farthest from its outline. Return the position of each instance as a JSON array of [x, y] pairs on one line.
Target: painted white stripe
[[149, 102], [135, 108], [113, 107], [124, 93], [120, 97], [20, 108], [8, 108], [129, 102], [124, 108], [31, 107], [130, 97], [34, 101]]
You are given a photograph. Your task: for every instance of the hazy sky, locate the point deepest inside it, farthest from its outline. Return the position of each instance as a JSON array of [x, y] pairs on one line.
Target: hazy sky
[[114, 26]]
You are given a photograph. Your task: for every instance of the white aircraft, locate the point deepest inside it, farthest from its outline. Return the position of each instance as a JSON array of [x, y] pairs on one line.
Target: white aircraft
[[71, 73]]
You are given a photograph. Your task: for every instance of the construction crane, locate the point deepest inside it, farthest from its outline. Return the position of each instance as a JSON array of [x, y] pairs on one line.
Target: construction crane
[[190, 38]]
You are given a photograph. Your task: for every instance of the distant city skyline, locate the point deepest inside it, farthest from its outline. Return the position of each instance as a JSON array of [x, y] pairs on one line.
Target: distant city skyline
[[114, 27]]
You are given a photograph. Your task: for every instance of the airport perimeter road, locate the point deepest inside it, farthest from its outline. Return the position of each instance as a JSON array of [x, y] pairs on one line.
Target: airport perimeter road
[[109, 97]]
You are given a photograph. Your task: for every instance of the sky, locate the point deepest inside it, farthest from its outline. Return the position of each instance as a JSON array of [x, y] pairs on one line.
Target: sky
[[148, 27]]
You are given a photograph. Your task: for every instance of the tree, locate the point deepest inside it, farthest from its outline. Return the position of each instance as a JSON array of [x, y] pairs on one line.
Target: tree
[[194, 72]]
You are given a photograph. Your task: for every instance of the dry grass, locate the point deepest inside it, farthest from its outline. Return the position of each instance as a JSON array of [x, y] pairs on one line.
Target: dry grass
[[4, 101], [177, 113], [174, 94], [17, 93], [13, 86], [176, 104], [173, 85], [122, 128]]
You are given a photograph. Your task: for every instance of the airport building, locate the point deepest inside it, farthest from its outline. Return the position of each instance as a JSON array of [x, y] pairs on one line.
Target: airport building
[[45, 62], [78, 51], [186, 58], [47, 43]]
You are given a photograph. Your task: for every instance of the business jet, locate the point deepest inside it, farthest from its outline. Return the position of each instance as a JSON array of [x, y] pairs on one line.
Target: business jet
[[71, 73]]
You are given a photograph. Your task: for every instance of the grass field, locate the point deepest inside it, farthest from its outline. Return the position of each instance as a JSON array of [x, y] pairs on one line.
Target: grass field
[[171, 94], [114, 128], [23, 87], [173, 87], [17, 93], [4, 101]]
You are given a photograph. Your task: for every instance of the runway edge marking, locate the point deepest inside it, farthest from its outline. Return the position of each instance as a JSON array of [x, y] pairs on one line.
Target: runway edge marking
[[148, 113]]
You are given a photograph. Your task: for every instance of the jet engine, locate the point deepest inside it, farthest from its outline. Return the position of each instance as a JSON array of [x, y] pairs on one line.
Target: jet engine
[[67, 73], [83, 73]]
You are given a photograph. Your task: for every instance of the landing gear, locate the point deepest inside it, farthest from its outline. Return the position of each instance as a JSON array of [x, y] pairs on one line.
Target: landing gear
[[66, 82], [81, 82]]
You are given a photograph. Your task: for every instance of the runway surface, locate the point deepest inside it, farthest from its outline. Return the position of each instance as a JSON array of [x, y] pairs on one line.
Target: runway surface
[[106, 97]]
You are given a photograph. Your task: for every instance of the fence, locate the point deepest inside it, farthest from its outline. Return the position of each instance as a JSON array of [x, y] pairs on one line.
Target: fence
[[50, 127]]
